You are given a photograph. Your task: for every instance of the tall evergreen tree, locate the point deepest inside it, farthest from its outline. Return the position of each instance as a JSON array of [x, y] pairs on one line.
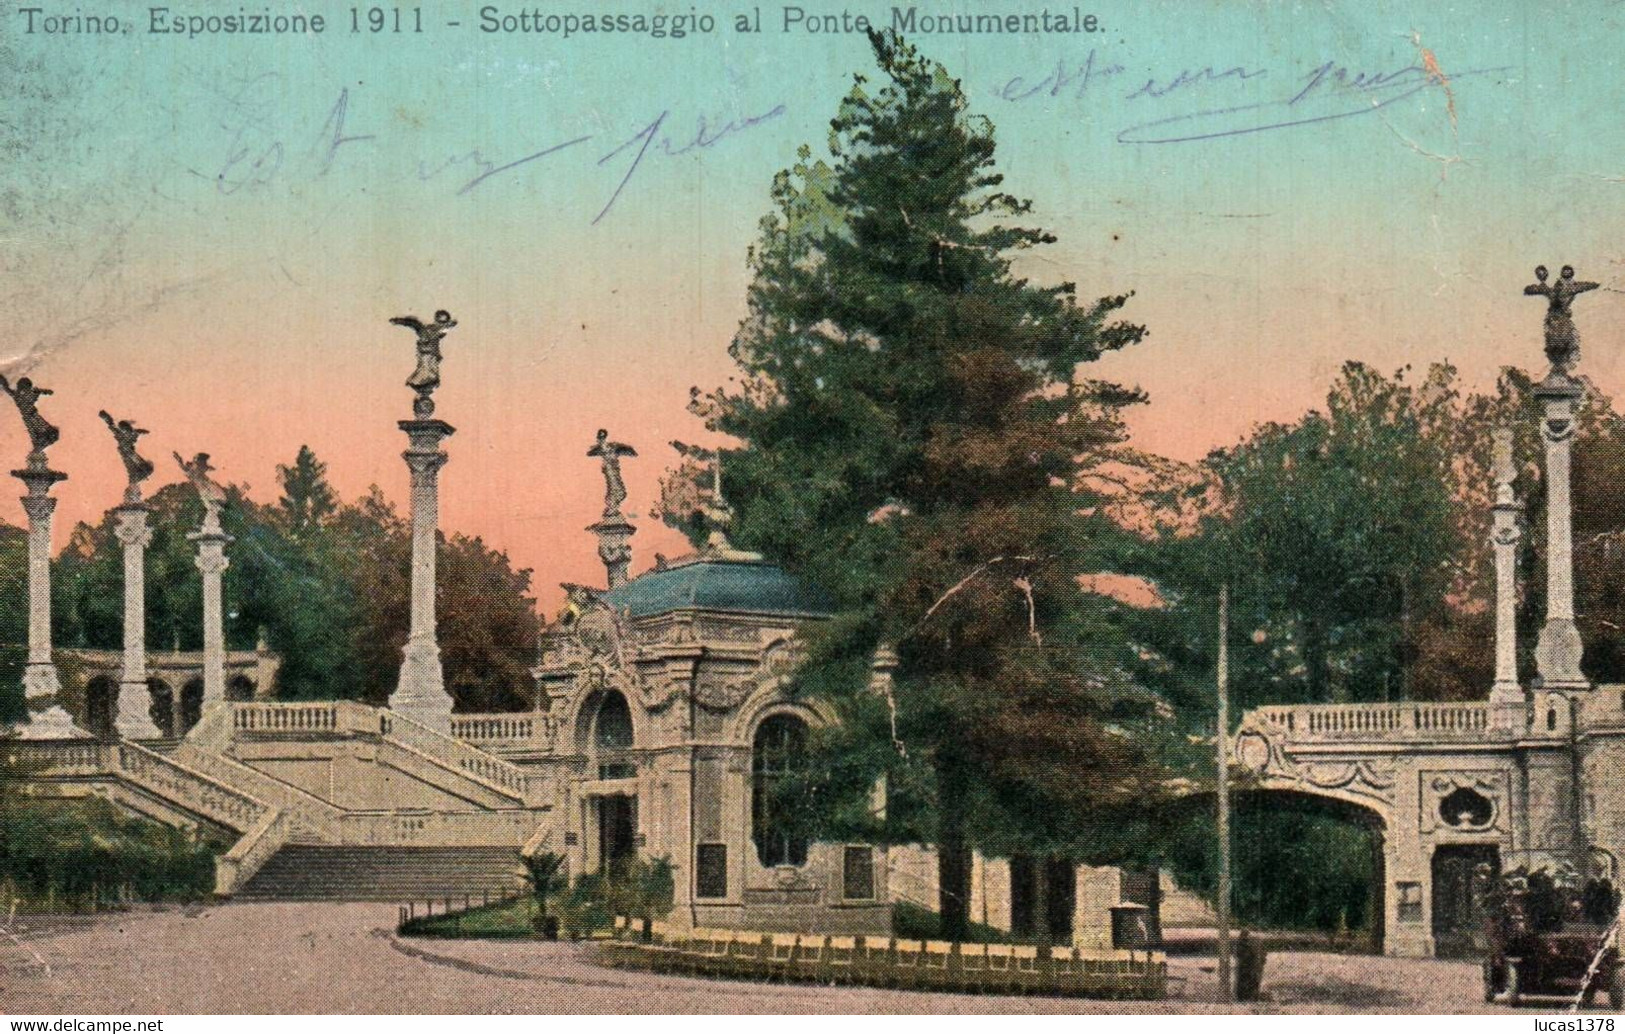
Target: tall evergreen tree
[[917, 439], [307, 499]]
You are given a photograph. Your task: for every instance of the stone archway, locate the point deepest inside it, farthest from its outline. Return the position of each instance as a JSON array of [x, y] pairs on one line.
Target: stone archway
[[1309, 805], [101, 707], [161, 706], [190, 706]]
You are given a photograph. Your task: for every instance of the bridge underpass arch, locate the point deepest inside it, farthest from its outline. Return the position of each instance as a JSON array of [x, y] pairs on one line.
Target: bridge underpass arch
[[1264, 817]]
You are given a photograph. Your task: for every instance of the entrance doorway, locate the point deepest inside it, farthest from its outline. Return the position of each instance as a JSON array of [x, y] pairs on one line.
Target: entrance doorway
[[617, 831], [1058, 890], [1462, 876]]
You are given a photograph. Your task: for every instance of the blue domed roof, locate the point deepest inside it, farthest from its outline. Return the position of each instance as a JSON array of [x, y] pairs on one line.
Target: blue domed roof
[[710, 583]]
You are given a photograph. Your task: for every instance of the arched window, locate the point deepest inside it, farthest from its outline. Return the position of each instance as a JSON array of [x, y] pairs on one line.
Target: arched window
[[778, 788], [612, 737]]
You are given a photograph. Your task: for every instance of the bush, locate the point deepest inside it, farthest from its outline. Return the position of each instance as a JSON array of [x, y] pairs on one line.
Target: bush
[[640, 889], [88, 855]]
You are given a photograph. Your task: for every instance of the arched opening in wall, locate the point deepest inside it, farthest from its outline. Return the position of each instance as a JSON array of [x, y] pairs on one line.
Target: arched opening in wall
[[161, 707], [779, 791], [1308, 862], [101, 707], [191, 706], [1299, 861], [240, 688], [610, 735]]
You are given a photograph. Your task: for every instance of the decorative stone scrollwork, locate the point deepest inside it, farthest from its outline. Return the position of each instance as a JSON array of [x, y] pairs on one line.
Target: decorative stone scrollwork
[[1369, 780], [720, 695], [1466, 802]]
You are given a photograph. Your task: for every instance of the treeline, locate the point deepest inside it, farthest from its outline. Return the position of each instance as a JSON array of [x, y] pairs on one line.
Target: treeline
[[327, 581]]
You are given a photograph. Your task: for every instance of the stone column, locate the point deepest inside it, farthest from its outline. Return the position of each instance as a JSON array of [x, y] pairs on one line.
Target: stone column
[[40, 682], [1508, 704], [211, 563], [1559, 650], [134, 715], [421, 693]]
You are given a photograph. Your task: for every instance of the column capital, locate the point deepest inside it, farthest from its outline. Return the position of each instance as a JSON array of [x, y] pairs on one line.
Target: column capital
[[212, 561], [132, 528], [39, 507], [424, 463], [426, 435]]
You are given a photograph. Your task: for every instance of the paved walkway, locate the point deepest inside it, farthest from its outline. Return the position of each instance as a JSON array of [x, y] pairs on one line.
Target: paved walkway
[[324, 958]]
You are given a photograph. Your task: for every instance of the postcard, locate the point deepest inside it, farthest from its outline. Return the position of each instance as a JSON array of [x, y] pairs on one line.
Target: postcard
[[824, 507]]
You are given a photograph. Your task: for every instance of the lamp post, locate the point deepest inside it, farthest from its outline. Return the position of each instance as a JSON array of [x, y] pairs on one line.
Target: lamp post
[[1222, 902]]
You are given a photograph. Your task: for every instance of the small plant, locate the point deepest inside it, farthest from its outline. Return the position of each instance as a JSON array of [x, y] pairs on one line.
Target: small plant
[[543, 870], [586, 907], [640, 889]]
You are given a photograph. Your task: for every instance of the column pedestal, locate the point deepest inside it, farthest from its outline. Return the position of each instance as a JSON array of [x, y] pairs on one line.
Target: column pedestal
[[47, 720], [1559, 650], [421, 692], [134, 720], [614, 546], [212, 563]]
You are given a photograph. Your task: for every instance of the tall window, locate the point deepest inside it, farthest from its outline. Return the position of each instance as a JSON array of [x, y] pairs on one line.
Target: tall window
[[612, 737], [778, 786]]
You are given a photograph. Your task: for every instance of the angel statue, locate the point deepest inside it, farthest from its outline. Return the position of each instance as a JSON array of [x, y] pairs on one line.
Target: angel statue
[[41, 432], [1562, 340], [208, 489], [137, 467], [614, 487], [426, 377]]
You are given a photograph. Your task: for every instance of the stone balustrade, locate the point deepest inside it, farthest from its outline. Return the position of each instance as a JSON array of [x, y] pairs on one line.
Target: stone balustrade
[[191, 789], [455, 753], [331, 717], [505, 828], [311, 819], [237, 866], [511, 730], [1399, 723], [61, 758]]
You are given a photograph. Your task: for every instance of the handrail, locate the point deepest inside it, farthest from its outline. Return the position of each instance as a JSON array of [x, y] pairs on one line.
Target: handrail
[[1353, 722], [469, 759], [237, 866], [182, 784], [309, 813], [513, 728], [507, 828], [61, 757], [403, 751]]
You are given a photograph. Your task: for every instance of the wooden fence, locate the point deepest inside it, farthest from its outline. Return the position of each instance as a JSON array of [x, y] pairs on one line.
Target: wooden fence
[[888, 962]]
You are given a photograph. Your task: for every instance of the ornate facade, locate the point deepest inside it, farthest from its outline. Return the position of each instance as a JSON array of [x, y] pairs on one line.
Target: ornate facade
[[670, 725]]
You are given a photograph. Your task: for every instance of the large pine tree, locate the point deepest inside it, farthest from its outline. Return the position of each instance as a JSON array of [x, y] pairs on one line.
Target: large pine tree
[[917, 439]]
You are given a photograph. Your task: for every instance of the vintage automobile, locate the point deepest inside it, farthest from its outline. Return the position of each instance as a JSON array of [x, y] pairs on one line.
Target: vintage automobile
[[1548, 939]]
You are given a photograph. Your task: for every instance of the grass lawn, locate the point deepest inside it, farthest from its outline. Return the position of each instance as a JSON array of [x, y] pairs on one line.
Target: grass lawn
[[510, 918]]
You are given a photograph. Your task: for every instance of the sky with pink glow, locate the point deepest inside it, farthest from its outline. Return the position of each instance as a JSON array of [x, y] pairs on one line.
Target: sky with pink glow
[[209, 235]]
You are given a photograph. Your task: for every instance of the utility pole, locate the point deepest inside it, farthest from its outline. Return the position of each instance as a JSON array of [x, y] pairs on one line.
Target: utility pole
[[1222, 904]]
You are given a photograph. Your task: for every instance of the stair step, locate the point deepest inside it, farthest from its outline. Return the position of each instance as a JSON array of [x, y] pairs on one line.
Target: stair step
[[327, 873]]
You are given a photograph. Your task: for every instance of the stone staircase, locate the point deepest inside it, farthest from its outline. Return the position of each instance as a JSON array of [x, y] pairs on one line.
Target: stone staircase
[[297, 842], [301, 872]]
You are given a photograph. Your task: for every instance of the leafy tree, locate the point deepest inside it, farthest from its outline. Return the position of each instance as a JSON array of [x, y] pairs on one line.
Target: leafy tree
[[13, 619], [1340, 537], [329, 583], [916, 438]]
